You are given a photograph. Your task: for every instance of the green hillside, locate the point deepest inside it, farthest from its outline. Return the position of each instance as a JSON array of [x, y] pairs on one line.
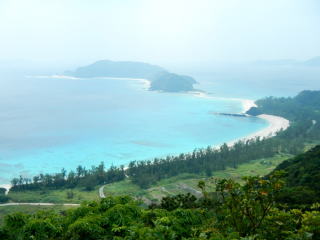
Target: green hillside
[[302, 177]]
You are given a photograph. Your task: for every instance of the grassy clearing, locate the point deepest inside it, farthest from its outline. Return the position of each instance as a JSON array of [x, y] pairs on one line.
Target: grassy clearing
[[184, 183], [29, 209], [55, 196], [259, 167], [310, 145], [119, 188], [189, 183]]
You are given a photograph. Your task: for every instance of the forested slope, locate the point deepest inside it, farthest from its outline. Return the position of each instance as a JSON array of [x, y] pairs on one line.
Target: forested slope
[[302, 177]]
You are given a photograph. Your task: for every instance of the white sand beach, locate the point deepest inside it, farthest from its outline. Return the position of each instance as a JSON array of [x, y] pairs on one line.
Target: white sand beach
[[145, 83], [54, 77], [141, 81], [246, 104], [6, 186], [276, 124]]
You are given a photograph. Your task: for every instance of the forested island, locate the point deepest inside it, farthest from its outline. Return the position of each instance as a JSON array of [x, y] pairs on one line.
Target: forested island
[[160, 79]]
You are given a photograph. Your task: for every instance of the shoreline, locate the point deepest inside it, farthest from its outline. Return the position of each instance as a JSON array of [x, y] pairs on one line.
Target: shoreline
[[276, 124], [246, 103]]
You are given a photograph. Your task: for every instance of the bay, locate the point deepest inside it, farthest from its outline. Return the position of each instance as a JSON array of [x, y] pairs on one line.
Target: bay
[[50, 123]]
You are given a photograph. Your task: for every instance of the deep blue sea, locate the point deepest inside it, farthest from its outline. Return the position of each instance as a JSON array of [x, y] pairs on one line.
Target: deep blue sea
[[50, 123]]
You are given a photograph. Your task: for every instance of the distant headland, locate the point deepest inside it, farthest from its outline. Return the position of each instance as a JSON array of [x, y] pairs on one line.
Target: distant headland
[[160, 79]]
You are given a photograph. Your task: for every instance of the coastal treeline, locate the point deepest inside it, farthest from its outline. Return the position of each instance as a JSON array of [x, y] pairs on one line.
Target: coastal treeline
[[206, 161], [303, 111], [146, 173], [81, 177]]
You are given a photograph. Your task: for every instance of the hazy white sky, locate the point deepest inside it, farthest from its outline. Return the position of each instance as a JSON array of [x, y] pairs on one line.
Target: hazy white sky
[[159, 31]]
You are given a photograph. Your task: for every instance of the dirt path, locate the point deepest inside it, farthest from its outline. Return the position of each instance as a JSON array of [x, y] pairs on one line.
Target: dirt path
[[39, 204], [101, 193]]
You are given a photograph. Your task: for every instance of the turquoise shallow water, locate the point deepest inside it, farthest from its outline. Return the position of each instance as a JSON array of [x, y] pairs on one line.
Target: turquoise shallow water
[[47, 124]]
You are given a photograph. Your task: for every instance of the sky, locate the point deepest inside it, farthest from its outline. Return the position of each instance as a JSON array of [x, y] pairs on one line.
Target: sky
[[159, 31]]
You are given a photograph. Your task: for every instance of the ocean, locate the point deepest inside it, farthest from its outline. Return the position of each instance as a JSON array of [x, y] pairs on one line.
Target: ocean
[[50, 123]]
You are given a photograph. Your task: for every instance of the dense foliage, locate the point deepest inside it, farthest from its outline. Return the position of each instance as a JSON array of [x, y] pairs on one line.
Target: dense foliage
[[235, 211]]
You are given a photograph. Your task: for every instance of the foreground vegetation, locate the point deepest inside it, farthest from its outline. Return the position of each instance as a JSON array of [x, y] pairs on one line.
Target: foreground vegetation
[[4, 211], [234, 211]]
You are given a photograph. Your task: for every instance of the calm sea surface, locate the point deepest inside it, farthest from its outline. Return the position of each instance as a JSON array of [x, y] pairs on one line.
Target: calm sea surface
[[50, 123]]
